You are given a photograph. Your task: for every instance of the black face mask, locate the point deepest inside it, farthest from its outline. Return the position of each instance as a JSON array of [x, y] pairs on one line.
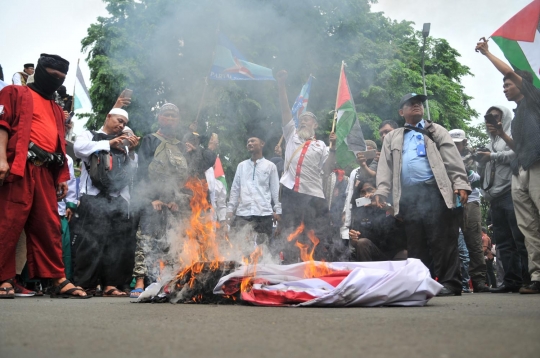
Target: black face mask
[[44, 83]]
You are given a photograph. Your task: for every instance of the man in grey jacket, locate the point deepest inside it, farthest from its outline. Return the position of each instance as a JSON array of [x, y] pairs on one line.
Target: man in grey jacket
[[494, 167], [422, 168]]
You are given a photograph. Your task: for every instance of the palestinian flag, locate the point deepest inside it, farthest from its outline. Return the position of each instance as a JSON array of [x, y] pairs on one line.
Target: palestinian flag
[[350, 139], [519, 40], [219, 173]]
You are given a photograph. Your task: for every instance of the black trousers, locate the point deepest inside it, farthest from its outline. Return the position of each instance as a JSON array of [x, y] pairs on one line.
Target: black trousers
[[105, 242], [432, 232], [510, 241], [262, 225], [300, 208]]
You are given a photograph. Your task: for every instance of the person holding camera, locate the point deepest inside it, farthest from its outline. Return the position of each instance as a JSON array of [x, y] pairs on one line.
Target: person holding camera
[[494, 168], [525, 141], [470, 221]]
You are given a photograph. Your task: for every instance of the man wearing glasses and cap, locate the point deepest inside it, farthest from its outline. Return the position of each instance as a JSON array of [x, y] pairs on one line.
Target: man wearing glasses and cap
[[422, 169]]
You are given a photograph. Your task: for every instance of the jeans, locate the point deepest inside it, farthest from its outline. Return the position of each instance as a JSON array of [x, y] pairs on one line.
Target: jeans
[[510, 241], [464, 259]]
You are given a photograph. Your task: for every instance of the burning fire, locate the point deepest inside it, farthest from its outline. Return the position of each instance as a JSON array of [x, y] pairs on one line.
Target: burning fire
[[312, 269], [201, 245], [201, 256], [250, 262]]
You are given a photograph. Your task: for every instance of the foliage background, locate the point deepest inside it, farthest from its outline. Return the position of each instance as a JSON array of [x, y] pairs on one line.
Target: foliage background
[[162, 49]]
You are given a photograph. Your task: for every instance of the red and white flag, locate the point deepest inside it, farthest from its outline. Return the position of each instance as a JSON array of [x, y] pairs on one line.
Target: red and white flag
[[348, 284]]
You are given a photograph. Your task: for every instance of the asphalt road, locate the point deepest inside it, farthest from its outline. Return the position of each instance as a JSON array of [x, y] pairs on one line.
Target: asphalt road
[[474, 325]]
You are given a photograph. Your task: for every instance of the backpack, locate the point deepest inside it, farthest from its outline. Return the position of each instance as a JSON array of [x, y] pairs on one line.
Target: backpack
[[169, 163], [109, 171]]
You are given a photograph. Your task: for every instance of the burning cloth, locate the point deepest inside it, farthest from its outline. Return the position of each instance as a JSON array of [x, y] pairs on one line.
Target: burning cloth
[[345, 284]]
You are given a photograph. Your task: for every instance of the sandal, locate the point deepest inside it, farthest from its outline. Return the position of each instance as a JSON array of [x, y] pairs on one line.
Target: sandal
[[135, 293], [67, 294], [110, 292], [7, 289]]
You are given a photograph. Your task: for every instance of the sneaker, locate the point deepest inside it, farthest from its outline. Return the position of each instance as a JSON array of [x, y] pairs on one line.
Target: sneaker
[[533, 287], [21, 291]]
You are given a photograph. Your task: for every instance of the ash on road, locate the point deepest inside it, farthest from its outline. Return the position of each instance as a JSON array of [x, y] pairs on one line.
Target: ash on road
[[474, 325]]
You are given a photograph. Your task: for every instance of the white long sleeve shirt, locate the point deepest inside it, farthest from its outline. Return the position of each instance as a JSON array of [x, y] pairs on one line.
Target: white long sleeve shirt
[[254, 188], [84, 147], [71, 196]]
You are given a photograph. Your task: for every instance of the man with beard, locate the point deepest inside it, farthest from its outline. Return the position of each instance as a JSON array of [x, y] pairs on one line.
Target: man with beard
[[33, 175], [20, 78], [306, 158], [422, 169], [105, 236], [165, 164]]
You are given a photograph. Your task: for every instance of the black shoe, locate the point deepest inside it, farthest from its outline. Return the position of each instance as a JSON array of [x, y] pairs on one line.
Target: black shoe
[[480, 288], [504, 289], [448, 292], [533, 287]]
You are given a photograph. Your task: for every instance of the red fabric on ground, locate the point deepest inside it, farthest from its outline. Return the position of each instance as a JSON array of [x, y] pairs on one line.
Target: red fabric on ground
[[335, 277], [30, 203], [275, 298], [43, 131]]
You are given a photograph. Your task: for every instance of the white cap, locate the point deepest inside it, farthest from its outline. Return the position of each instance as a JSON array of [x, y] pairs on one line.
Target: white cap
[[120, 112], [458, 135]]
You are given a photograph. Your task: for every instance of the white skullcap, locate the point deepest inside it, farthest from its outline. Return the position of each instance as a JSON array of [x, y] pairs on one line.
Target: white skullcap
[[120, 112]]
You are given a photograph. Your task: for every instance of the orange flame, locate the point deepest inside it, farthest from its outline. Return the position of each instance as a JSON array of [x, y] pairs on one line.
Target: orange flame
[[312, 269], [201, 245], [250, 262], [296, 232]]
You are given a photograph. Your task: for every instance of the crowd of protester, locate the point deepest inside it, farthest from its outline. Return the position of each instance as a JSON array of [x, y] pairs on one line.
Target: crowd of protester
[[419, 195]]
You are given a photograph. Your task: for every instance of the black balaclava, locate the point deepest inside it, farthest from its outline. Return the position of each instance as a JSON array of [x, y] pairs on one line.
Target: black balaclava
[[44, 83], [62, 91]]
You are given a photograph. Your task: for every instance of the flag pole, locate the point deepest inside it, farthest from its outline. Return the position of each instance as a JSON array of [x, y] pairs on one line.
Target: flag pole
[[74, 85], [337, 97], [202, 99]]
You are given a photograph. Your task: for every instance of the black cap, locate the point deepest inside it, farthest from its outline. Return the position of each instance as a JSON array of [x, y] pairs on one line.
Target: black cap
[[410, 96], [26, 65], [54, 61]]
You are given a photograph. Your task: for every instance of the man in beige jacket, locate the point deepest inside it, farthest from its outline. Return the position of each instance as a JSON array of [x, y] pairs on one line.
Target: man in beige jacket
[[422, 169]]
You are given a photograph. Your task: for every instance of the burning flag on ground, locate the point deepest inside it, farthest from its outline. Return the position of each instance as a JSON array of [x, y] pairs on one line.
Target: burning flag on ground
[[229, 64], [301, 102], [347, 284], [350, 139], [519, 40]]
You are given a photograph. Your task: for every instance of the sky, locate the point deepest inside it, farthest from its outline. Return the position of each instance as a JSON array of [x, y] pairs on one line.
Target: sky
[[30, 27]]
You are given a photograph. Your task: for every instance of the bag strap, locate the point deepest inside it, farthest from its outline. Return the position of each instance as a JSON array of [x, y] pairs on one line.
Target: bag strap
[[296, 151], [173, 141], [424, 132]]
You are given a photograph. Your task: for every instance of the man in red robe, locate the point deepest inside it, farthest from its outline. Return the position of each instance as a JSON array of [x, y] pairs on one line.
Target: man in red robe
[[33, 175]]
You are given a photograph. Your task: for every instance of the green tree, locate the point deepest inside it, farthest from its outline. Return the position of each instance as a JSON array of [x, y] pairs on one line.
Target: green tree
[[162, 49]]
